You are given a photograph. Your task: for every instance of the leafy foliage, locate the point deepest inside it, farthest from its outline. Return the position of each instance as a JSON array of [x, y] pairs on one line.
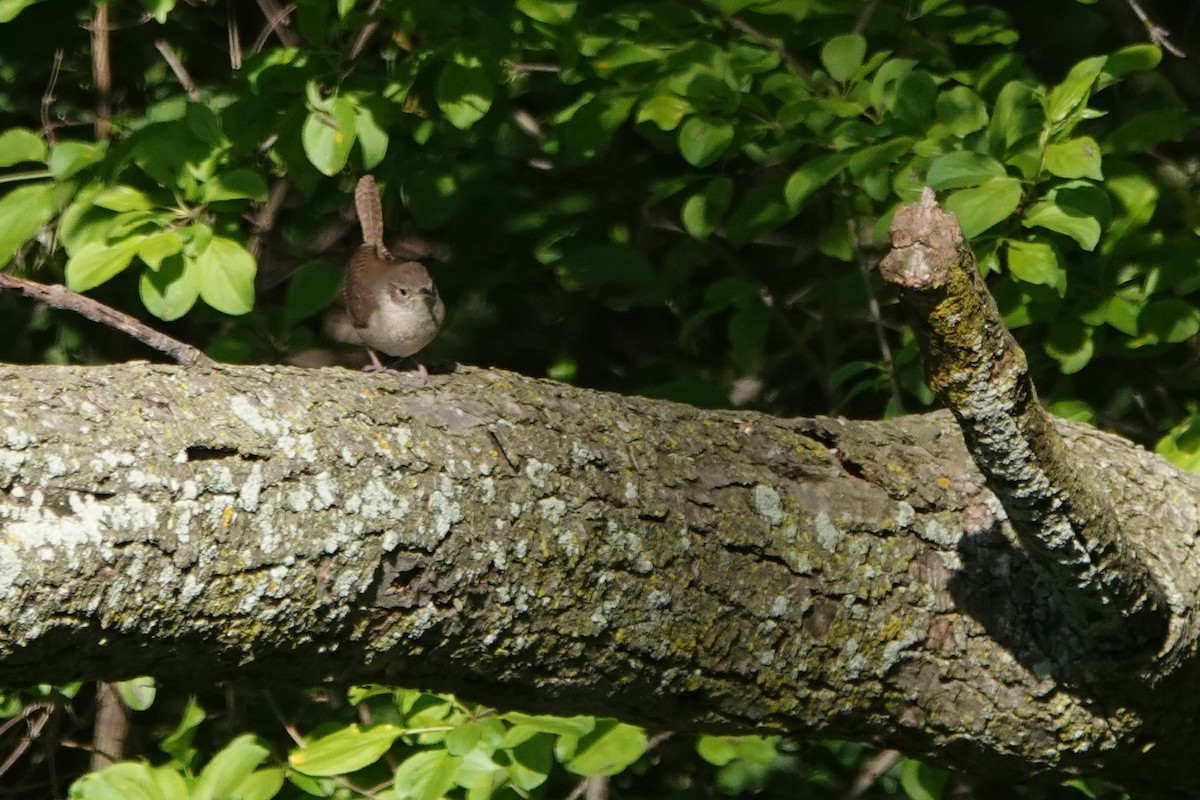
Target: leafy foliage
[[683, 199]]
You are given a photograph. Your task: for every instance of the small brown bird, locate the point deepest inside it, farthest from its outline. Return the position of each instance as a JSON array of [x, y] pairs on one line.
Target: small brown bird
[[393, 304]]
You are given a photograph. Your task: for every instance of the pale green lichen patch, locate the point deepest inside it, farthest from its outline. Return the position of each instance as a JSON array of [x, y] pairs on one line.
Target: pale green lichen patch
[[768, 504]]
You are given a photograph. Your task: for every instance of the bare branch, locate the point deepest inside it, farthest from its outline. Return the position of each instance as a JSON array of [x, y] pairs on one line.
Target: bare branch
[[58, 296]]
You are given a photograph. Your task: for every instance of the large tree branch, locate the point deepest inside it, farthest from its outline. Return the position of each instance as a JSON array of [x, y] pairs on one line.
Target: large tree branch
[[531, 544]]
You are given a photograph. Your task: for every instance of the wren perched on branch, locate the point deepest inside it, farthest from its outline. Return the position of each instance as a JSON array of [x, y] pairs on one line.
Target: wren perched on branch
[[393, 304]]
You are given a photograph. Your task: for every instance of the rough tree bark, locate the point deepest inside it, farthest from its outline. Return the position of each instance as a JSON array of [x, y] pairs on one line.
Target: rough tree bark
[[535, 545]]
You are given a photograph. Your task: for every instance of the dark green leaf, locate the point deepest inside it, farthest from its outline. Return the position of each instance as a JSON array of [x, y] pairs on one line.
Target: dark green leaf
[[551, 12], [811, 176], [1070, 344], [10, 8], [702, 140], [961, 110], [1170, 320], [704, 210], [312, 288], [464, 93]]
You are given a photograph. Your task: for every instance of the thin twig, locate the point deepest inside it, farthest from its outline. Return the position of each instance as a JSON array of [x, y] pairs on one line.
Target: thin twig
[[233, 36], [263, 222], [874, 312], [367, 33], [48, 96], [102, 71], [755, 34], [1158, 34], [58, 296], [35, 730], [871, 772], [181, 73], [276, 23], [864, 18]]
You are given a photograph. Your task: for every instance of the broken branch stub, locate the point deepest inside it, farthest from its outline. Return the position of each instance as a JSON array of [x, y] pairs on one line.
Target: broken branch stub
[[1061, 516]]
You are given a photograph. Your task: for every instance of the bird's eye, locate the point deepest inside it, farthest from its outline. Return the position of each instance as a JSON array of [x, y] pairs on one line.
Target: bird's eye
[[400, 290]]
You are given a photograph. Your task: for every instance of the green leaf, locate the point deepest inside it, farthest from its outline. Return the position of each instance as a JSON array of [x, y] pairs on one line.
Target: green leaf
[[235, 184], [20, 144], [1075, 158], [203, 123], [1070, 344], [560, 726], [704, 210], [262, 784], [312, 288], [916, 94], [131, 781], [587, 127], [372, 138], [138, 693], [10, 8], [1036, 262], [961, 110], [922, 782], [123, 198], [226, 276], [811, 176], [159, 9], [961, 169], [983, 206], [1131, 59], [228, 768], [1182, 445], [764, 208], [1170, 320], [531, 760], [1016, 119], [1078, 210], [68, 158], [716, 750], [97, 262], [464, 93], [426, 776], [178, 743], [702, 140], [607, 749], [843, 55], [171, 290], [1075, 89], [23, 212], [346, 750], [328, 136], [664, 110], [551, 12]]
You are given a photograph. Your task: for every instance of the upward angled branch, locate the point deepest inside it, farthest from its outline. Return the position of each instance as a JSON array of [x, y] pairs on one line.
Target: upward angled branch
[[1065, 521]]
